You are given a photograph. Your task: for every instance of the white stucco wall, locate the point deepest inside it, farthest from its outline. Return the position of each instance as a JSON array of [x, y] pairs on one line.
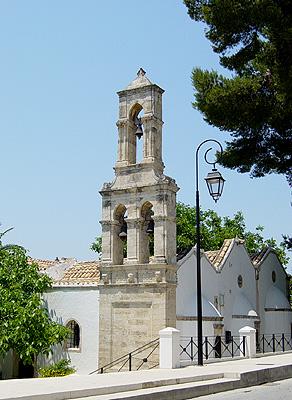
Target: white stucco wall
[[79, 303], [238, 302], [273, 295], [186, 296], [237, 305]]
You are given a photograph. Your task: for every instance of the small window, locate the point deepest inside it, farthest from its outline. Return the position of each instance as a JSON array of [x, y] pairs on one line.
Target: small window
[[73, 340], [274, 276], [240, 281]]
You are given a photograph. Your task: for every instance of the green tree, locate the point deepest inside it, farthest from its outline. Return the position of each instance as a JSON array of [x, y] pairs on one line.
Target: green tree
[[96, 245], [25, 325], [214, 229], [254, 104]]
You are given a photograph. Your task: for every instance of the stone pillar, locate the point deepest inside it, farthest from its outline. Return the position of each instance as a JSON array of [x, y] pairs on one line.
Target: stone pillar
[[126, 143], [250, 341], [152, 139], [159, 239], [143, 242], [169, 348], [132, 241]]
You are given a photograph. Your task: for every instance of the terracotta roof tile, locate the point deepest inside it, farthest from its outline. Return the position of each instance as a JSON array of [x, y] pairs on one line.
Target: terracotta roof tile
[[43, 264], [216, 257], [86, 272], [258, 257], [69, 271]]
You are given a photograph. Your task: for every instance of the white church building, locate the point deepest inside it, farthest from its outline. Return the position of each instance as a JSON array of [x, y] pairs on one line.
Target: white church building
[[119, 303]]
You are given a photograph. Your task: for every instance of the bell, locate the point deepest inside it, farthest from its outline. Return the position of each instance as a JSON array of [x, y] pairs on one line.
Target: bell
[[139, 131], [123, 233], [150, 227]]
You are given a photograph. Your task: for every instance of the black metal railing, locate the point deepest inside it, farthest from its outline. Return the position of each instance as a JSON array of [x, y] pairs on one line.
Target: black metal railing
[[277, 342], [213, 347], [144, 357]]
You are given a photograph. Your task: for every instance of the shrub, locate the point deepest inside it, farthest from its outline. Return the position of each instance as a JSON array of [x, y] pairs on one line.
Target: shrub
[[60, 368]]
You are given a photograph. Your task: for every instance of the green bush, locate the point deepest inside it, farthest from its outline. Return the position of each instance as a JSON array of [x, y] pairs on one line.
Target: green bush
[[61, 368]]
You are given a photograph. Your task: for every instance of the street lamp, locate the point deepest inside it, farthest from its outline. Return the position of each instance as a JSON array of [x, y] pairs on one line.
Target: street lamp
[[215, 183]]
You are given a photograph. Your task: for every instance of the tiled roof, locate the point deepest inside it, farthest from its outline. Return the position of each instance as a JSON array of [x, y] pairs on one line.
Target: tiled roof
[[216, 257], [43, 264], [212, 254], [69, 271], [258, 257], [86, 272]]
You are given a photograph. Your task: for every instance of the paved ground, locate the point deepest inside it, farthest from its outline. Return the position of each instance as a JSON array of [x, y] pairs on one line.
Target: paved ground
[[281, 390], [210, 378]]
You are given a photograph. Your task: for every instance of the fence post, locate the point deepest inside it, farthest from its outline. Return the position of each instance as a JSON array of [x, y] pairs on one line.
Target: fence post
[[169, 339], [206, 348], [130, 361], [250, 341]]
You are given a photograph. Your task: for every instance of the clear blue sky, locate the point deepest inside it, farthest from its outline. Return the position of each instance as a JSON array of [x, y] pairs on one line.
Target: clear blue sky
[[61, 65]]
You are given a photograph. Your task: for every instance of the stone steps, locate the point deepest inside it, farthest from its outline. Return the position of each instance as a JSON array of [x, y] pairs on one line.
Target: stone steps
[[179, 391]]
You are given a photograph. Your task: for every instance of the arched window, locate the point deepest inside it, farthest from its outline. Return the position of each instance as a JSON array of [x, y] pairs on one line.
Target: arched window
[[147, 232], [136, 116], [73, 340], [120, 216]]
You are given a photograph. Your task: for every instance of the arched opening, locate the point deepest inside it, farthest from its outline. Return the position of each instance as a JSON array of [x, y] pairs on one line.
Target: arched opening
[[137, 135], [121, 233], [73, 340], [147, 232]]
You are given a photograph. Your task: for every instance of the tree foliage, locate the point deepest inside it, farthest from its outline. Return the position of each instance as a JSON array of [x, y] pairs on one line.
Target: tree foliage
[[254, 41], [25, 325], [96, 245]]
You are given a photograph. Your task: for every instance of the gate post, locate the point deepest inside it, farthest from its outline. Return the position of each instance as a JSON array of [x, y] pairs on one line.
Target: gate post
[[250, 340], [169, 348]]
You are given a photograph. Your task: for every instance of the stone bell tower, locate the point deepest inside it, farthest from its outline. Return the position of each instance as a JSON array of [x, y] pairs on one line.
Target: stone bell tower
[[138, 267]]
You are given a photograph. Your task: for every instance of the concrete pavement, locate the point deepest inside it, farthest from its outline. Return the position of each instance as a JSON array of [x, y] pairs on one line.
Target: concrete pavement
[[178, 384]]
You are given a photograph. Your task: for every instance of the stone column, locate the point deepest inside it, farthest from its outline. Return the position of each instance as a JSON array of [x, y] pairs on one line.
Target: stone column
[[132, 241], [126, 143], [159, 240], [143, 241], [152, 139]]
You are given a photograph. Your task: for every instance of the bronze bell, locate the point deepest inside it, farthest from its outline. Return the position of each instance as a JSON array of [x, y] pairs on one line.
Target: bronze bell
[[139, 131], [150, 227], [123, 233]]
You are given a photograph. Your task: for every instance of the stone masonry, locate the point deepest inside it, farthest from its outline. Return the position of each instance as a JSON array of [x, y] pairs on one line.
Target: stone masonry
[[138, 268]]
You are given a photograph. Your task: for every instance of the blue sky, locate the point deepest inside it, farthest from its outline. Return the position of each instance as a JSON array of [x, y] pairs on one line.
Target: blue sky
[[62, 63]]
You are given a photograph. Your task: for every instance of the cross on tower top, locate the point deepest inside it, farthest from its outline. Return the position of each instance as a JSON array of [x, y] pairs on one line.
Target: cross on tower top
[[141, 72]]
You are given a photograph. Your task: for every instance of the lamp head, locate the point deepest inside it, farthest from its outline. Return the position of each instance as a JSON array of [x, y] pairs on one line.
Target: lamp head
[[215, 183]]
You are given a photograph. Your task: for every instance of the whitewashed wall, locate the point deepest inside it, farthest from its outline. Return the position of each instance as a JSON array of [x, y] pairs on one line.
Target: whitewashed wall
[[79, 303], [186, 296], [273, 295], [239, 303]]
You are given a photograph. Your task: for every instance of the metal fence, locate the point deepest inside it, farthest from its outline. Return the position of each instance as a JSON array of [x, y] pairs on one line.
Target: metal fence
[[144, 357], [274, 343], [214, 347]]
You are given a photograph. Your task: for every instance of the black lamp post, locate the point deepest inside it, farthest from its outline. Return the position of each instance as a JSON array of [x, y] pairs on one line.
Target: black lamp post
[[215, 183]]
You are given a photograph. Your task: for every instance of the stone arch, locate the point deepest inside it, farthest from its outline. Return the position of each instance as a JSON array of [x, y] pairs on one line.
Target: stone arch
[[120, 234], [135, 111], [146, 232]]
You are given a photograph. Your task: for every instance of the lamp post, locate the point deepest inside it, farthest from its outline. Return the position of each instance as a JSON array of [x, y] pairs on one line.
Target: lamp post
[[215, 183]]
